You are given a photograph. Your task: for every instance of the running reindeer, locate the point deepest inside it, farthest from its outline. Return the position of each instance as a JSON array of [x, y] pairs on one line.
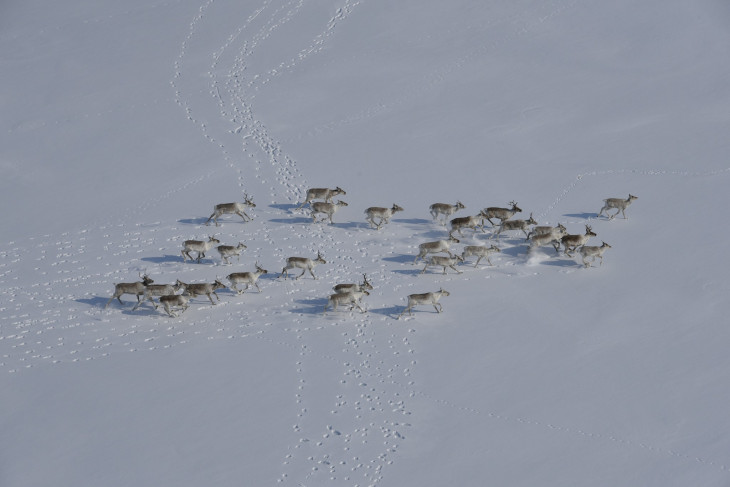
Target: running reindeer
[[202, 289], [136, 288], [174, 300], [514, 225], [158, 290], [481, 251], [619, 204], [444, 209], [198, 246], [354, 287], [247, 278], [443, 261], [325, 194], [435, 247], [501, 214], [232, 208], [593, 251], [473, 222], [327, 208], [572, 242], [425, 298], [229, 251], [304, 263], [352, 298], [383, 214]]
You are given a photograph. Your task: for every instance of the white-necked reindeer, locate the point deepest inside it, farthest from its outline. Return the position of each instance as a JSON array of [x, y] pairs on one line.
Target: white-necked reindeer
[[232, 208], [199, 246], [443, 261], [572, 242], [514, 225], [247, 278], [473, 222], [228, 251], [383, 214], [325, 194], [593, 251], [354, 287], [352, 298], [444, 209], [435, 247], [557, 231], [425, 298], [619, 204], [202, 289], [136, 288], [326, 208], [158, 290], [481, 251], [501, 214], [304, 263], [174, 300]]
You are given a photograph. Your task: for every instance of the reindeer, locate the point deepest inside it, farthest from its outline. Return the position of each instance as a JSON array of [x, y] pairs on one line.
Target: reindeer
[[230, 208], [350, 288], [557, 231], [200, 289], [384, 214], [176, 300], [304, 263], [136, 288], [247, 278], [425, 298], [325, 194], [619, 204], [352, 298], [467, 222], [593, 251], [514, 225], [198, 246], [501, 214], [444, 209], [158, 290], [435, 247], [572, 242], [327, 208], [228, 251], [482, 251], [443, 261], [537, 241]]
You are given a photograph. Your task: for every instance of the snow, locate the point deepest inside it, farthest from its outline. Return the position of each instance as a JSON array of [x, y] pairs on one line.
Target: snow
[[125, 123]]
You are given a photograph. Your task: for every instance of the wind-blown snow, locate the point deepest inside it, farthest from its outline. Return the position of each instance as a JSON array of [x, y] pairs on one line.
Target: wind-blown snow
[[124, 123]]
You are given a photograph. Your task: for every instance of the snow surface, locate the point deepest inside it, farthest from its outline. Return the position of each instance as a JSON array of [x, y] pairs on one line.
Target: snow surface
[[125, 122]]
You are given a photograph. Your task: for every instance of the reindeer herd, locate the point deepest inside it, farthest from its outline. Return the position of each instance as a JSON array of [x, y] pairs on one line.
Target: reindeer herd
[[351, 294]]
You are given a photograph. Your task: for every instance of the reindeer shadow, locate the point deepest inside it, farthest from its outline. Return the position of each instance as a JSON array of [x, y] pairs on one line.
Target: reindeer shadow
[[409, 272], [193, 221], [287, 207], [400, 258], [309, 306], [291, 221], [390, 311], [167, 258], [583, 216], [96, 301]]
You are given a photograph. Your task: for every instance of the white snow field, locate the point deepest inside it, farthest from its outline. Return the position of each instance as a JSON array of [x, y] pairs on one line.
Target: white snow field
[[124, 123]]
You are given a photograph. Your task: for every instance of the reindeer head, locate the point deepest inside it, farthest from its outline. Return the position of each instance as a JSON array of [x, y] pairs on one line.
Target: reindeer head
[[248, 201], [531, 221], [213, 239], [453, 239], [339, 190], [319, 258], [514, 206], [495, 248], [217, 284], [365, 284], [459, 205], [396, 208], [589, 231], [261, 269], [444, 292], [146, 280]]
